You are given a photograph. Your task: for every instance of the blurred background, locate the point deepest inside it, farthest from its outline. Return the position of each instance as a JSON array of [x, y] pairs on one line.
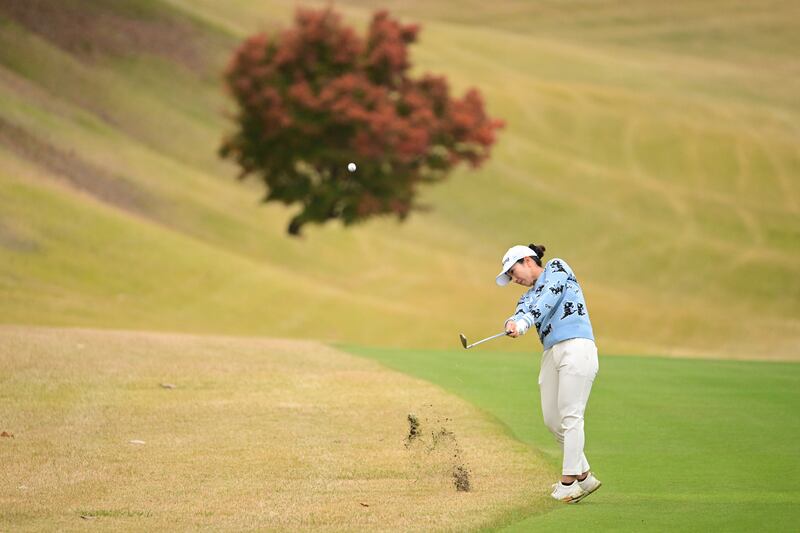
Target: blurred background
[[654, 146]]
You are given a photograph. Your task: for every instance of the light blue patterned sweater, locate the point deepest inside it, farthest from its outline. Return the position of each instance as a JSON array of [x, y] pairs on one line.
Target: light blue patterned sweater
[[555, 305]]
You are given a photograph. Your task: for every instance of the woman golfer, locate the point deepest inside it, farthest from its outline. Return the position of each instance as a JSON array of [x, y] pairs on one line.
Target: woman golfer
[[554, 304]]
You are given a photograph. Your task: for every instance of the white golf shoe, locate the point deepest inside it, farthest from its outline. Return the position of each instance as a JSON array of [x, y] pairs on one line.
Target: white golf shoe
[[568, 493], [589, 485]]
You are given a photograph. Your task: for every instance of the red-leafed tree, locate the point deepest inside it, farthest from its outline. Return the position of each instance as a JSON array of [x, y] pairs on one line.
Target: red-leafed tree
[[318, 96]]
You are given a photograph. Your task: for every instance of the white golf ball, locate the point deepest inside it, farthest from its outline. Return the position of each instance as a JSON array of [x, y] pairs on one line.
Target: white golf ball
[[351, 167]]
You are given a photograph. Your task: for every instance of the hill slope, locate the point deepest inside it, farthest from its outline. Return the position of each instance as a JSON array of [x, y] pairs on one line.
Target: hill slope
[[663, 169]]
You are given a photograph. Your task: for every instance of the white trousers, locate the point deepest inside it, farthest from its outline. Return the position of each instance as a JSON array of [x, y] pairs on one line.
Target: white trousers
[[565, 381]]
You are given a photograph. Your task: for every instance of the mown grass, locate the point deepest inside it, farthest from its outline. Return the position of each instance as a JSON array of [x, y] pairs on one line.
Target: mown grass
[[653, 146], [145, 431], [661, 170], [681, 445]]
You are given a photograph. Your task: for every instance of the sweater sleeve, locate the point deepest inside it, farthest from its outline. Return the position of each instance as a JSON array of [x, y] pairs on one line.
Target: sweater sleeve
[[546, 296], [522, 318], [552, 290]]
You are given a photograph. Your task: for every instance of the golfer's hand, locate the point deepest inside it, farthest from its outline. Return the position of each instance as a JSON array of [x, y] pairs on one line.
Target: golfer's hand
[[511, 329]]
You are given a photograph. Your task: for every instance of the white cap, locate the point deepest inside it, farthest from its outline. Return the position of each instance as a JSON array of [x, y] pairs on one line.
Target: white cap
[[514, 254]]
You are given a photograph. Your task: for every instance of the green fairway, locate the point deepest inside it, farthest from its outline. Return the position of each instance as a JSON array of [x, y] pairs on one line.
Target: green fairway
[[679, 444]]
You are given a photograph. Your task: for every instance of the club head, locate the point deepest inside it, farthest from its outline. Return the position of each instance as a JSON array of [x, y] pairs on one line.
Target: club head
[[463, 340]]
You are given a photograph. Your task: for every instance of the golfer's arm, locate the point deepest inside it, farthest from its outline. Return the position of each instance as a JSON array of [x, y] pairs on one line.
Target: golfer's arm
[[552, 291], [523, 320]]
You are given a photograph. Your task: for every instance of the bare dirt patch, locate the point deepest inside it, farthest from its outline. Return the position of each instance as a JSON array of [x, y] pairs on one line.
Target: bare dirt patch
[[95, 30], [104, 185], [11, 239], [439, 446]]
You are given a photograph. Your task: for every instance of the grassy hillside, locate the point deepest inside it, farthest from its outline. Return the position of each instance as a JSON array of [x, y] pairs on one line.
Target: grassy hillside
[[657, 153]]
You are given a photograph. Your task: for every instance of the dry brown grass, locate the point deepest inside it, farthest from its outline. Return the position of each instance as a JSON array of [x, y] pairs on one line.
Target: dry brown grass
[[256, 434]]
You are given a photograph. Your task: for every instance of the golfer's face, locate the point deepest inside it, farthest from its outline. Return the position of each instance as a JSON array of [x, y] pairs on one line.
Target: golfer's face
[[522, 274]]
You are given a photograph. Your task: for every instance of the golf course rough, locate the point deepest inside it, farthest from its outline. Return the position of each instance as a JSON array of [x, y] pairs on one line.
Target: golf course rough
[[253, 434]]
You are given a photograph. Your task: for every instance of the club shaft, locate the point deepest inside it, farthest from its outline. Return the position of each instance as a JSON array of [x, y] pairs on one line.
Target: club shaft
[[487, 339]]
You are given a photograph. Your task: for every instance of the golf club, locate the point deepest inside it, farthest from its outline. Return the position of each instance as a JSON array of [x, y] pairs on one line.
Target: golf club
[[464, 339]]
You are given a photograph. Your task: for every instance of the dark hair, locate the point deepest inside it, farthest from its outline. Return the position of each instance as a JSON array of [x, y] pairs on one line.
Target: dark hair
[[539, 249]]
